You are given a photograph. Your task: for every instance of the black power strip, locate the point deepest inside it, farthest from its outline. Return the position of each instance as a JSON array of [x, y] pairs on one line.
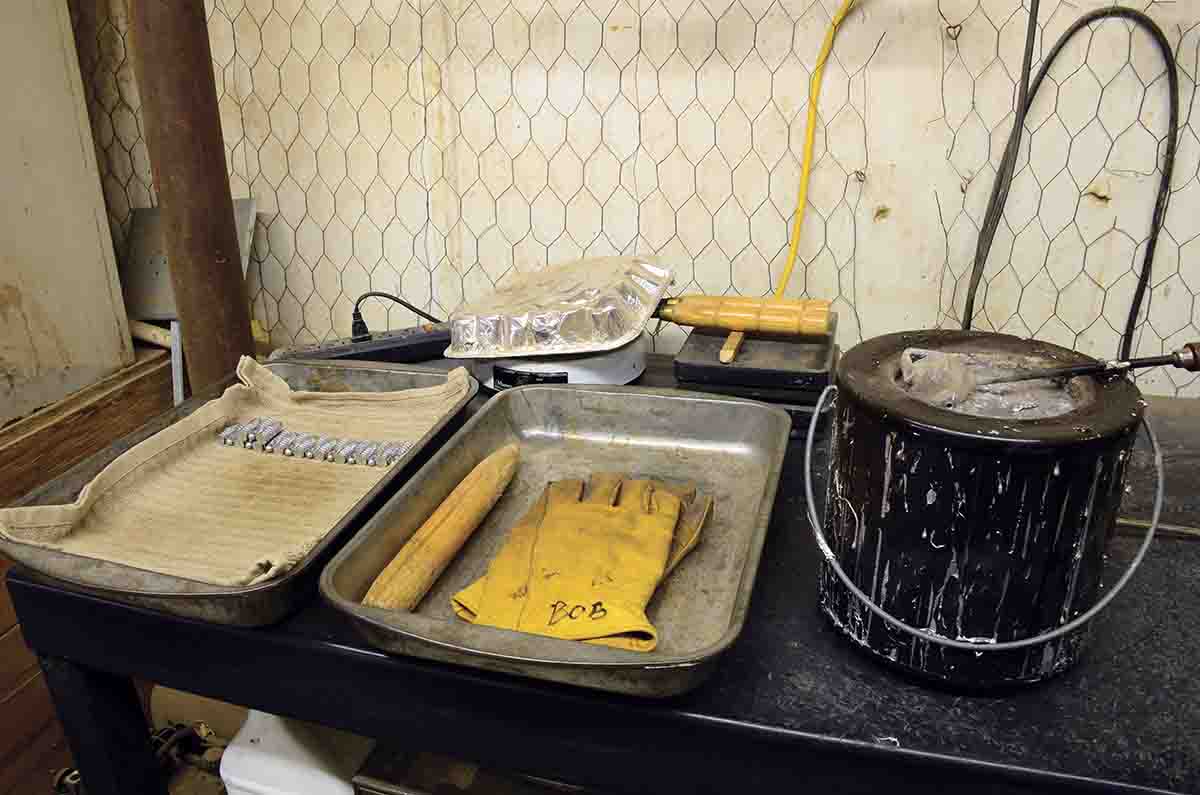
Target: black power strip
[[399, 346]]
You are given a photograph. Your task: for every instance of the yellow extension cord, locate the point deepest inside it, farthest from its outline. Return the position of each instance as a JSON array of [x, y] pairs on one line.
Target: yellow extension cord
[[814, 94], [730, 349]]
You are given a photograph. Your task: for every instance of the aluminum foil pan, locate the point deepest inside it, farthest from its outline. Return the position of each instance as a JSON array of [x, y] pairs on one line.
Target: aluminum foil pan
[[579, 307]]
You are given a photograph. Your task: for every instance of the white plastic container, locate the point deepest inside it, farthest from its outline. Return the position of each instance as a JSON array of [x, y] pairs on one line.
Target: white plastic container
[[277, 756]]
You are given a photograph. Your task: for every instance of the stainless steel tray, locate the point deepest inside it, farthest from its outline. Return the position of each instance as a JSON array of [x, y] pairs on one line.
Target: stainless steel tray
[[732, 448], [253, 605]]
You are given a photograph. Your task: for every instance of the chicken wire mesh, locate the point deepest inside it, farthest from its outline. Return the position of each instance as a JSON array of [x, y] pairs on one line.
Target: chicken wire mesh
[[430, 148]]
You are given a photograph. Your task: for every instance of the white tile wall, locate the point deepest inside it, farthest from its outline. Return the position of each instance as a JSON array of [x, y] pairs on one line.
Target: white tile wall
[[430, 147]]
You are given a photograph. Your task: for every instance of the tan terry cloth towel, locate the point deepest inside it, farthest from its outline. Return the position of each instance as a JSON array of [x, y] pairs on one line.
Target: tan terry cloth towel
[[184, 504]]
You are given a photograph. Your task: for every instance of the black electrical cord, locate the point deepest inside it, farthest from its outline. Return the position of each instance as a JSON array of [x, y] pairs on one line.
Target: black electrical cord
[[358, 326], [1005, 176]]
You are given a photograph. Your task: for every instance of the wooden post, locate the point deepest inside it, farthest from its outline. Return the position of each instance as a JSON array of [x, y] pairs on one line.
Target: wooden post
[[173, 61]]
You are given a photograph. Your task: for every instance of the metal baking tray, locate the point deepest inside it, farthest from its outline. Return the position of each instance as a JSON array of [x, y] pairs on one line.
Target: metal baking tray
[[733, 449], [254, 605]]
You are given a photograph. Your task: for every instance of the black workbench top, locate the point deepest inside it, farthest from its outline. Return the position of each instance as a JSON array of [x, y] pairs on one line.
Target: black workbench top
[[791, 704]]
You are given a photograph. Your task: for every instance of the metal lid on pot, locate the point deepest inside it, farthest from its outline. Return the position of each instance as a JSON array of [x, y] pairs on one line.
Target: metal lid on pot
[[1087, 408]]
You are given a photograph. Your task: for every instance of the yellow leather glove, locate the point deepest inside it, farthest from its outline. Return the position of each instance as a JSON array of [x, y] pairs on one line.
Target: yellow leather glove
[[694, 513], [584, 568]]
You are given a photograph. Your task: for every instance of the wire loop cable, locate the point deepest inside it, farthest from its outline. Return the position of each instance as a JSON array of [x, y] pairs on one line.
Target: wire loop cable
[[1004, 177]]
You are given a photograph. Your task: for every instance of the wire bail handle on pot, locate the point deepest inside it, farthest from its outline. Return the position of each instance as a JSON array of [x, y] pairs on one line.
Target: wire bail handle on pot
[[976, 646]]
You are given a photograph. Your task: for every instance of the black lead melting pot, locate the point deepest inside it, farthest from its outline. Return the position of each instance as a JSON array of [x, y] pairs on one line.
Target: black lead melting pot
[[975, 528]]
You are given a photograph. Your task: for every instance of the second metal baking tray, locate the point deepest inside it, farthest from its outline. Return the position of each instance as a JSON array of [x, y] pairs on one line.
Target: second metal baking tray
[[252, 605], [733, 449]]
